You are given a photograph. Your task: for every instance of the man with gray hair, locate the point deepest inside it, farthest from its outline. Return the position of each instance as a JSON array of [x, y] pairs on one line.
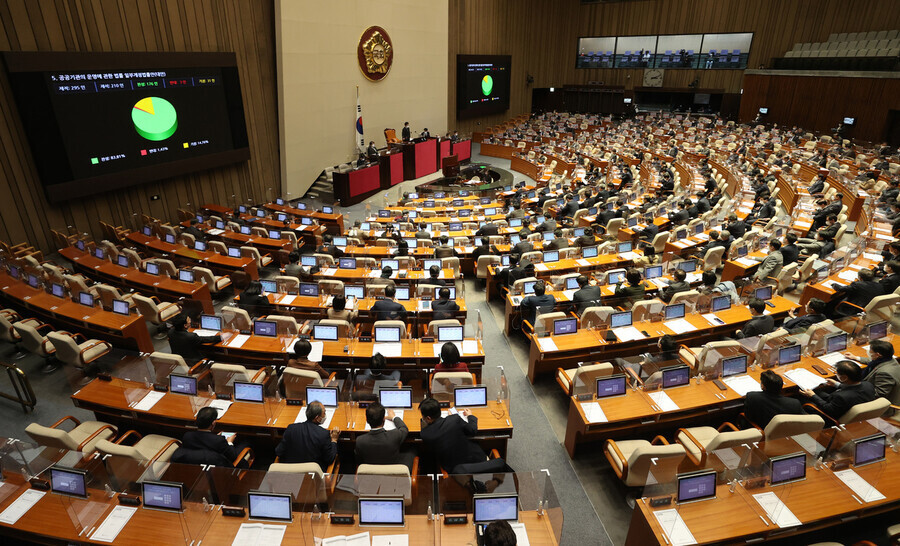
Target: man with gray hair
[[309, 441]]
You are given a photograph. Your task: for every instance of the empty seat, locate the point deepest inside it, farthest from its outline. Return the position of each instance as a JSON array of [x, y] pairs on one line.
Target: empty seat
[[83, 437]]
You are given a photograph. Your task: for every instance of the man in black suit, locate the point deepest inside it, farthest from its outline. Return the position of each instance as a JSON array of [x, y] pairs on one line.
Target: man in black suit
[[604, 216], [372, 151], [760, 323], [587, 294], [570, 208], [532, 305], [547, 226], [680, 284], [203, 446], [328, 248], [187, 344], [789, 250], [388, 309], [425, 133], [449, 437], [444, 307], [761, 407], [818, 184], [484, 250], [523, 246], [406, 133], [487, 229], [308, 442], [382, 446], [194, 230], [737, 228], [558, 242], [822, 214], [815, 313], [682, 214], [891, 279], [860, 292], [434, 273], [841, 395], [649, 232]]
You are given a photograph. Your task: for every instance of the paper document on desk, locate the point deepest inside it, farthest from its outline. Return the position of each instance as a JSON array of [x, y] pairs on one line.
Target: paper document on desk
[[20, 506], [392, 540], [593, 412], [663, 401], [702, 236], [388, 350], [148, 401], [630, 256], [547, 344], [206, 333], [519, 530], [628, 333], [660, 282], [583, 262], [802, 224], [860, 486], [742, 384], [316, 353], [804, 379], [253, 534], [674, 527], [848, 276], [680, 326], [776, 510], [329, 272], [569, 294], [360, 539], [832, 358], [747, 262], [470, 347], [221, 406], [681, 244], [237, 341], [215, 231], [113, 524], [541, 267], [286, 299], [872, 256]]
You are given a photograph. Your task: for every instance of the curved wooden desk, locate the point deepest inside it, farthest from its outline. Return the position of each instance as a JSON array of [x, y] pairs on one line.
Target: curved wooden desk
[[222, 265]]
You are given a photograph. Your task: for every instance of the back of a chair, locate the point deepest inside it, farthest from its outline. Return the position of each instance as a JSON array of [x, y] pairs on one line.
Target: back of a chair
[[451, 263], [443, 383], [519, 285], [76, 284], [51, 437], [650, 456], [167, 267], [285, 325], [331, 287], [595, 317], [296, 380], [659, 242], [733, 438], [147, 308], [688, 296], [613, 226], [106, 447], [391, 480], [881, 308], [218, 247], [713, 257], [584, 374], [66, 349], [311, 471], [224, 376], [238, 318], [391, 323], [645, 309], [252, 252], [165, 364], [435, 324], [107, 294], [7, 331], [54, 272], [324, 259], [32, 340], [205, 276], [344, 327], [866, 410], [784, 425], [710, 354], [484, 262], [543, 322]]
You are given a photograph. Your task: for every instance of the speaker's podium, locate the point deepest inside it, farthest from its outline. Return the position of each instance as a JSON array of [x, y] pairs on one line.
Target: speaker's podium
[[450, 166], [419, 158]]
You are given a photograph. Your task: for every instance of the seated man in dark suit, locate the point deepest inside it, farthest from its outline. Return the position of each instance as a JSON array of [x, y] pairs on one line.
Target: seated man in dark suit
[[382, 446], [531, 306], [680, 284], [859, 293], [449, 438], [558, 242], [789, 250], [192, 229], [308, 442], [891, 279], [587, 295], [760, 323], [444, 307], [203, 446], [434, 272], [489, 228], [187, 344], [761, 407], [569, 209], [388, 309], [737, 228], [841, 395], [484, 250], [815, 313]]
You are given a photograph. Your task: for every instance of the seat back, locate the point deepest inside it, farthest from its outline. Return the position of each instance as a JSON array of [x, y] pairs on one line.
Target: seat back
[[51, 437], [32, 340], [205, 276], [331, 287], [167, 267], [165, 364], [586, 374], [218, 247], [76, 284], [646, 309], [443, 383], [224, 376], [391, 323], [252, 252], [67, 350], [733, 438], [324, 259], [286, 326], [236, 318], [54, 272], [344, 327], [451, 263], [304, 471], [391, 480], [108, 294], [652, 458], [659, 242], [435, 324], [713, 258], [147, 308], [881, 308], [866, 410], [596, 317], [613, 226], [481, 267], [543, 322], [688, 297], [784, 425], [296, 380], [519, 285]]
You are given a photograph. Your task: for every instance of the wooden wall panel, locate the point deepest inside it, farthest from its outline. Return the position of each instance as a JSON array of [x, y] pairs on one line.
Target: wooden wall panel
[[243, 26], [542, 36], [818, 103]]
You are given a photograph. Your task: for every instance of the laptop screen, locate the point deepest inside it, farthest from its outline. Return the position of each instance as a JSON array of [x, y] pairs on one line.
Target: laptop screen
[[878, 330], [835, 343], [339, 241], [688, 266], [469, 397], [488, 508], [869, 449], [763, 293], [514, 239], [613, 385], [68, 481], [789, 354], [248, 392], [122, 260], [590, 252], [185, 275], [399, 397], [309, 289], [235, 252], [381, 511], [266, 328], [357, 292], [121, 307], [245, 230], [551, 256], [681, 234], [270, 287], [721, 303], [58, 290], [393, 264], [449, 333], [548, 236], [402, 293], [281, 217], [325, 332], [307, 260], [619, 320], [653, 271], [528, 287], [99, 253], [572, 283], [565, 326], [306, 221], [347, 263], [387, 334], [33, 281], [676, 376], [615, 277], [426, 264], [183, 384], [199, 246], [211, 322], [625, 247], [170, 238], [86, 299], [674, 311], [788, 468], [327, 209], [269, 506], [735, 365], [328, 396], [162, 495], [696, 486], [454, 226], [515, 222], [152, 268], [490, 211]]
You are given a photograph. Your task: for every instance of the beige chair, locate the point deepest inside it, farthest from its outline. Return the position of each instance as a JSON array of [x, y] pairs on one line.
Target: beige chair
[[634, 460], [83, 437], [236, 318], [285, 325], [435, 324], [296, 380], [258, 231], [567, 378], [156, 312], [218, 247], [224, 376], [865, 411], [345, 329], [331, 287], [134, 259], [443, 383], [253, 252], [149, 449], [165, 364], [697, 357], [79, 355], [36, 343], [215, 283], [713, 258], [391, 480], [613, 226], [543, 322], [699, 442], [322, 484], [659, 242], [54, 273], [8, 332], [881, 308], [287, 284], [77, 285], [110, 293], [324, 259], [596, 317], [646, 309], [484, 262], [452, 264], [404, 333], [785, 278], [688, 296], [166, 267], [785, 425], [518, 286]]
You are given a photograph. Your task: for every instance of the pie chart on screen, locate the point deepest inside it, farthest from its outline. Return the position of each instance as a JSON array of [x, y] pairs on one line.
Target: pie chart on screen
[[154, 118], [487, 83]]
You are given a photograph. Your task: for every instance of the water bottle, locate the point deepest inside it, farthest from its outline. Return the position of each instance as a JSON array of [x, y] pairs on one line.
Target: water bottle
[[430, 512]]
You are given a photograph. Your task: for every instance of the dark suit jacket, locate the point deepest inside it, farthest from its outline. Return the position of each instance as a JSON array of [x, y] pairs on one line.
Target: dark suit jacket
[[859, 293], [306, 443], [675, 287], [649, 232], [405, 133], [187, 344], [381, 446], [252, 304], [759, 325], [448, 439], [488, 229], [569, 209], [836, 403], [388, 310], [530, 305], [680, 216], [761, 407], [789, 254], [803, 322], [737, 229], [586, 297], [557, 244], [889, 283], [444, 309], [204, 447], [521, 248]]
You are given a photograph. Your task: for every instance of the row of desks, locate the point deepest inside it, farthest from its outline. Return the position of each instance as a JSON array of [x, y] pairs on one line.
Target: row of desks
[[180, 254]]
